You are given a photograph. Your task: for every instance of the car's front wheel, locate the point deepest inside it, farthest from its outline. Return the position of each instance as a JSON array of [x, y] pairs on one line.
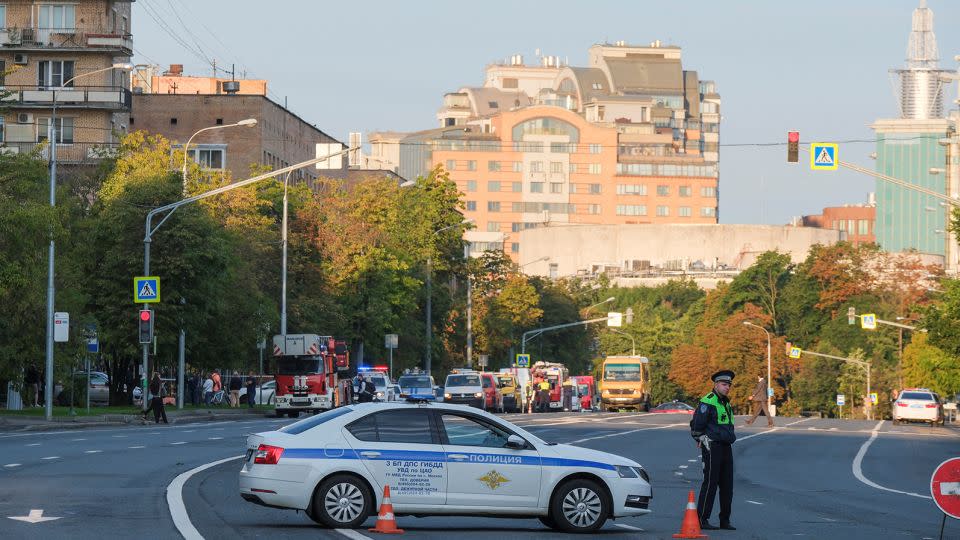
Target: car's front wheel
[[579, 506], [342, 502]]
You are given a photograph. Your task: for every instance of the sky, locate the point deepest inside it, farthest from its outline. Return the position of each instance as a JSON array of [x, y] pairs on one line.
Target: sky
[[818, 66]]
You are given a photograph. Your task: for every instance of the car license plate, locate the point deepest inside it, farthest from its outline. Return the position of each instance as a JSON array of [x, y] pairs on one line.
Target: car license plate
[[916, 406], [301, 402]]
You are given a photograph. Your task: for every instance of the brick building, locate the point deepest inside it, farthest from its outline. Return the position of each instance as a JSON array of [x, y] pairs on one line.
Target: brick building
[[856, 222], [46, 50]]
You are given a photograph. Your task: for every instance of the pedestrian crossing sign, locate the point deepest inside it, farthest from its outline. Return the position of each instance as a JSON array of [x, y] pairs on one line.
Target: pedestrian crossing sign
[[824, 156], [523, 360], [146, 289], [795, 352], [868, 321]]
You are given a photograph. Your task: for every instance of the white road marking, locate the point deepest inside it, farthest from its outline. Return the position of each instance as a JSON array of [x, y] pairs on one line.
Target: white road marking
[[677, 473], [136, 446], [858, 466], [51, 457], [12, 465], [34, 444], [75, 440], [627, 527], [35, 516], [119, 436], [214, 438], [352, 534], [628, 432], [93, 451], [175, 500], [684, 466], [773, 429], [754, 502], [188, 431], [692, 460], [180, 442]]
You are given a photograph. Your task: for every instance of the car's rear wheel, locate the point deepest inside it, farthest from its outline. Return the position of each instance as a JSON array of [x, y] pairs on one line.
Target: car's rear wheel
[[579, 506], [342, 502]]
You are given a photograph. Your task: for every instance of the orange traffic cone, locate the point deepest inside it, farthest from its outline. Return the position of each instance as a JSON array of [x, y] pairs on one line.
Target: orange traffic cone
[[387, 524], [690, 528]]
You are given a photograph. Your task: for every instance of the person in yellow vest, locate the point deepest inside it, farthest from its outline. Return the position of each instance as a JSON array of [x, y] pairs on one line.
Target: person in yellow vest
[[712, 428], [544, 388]]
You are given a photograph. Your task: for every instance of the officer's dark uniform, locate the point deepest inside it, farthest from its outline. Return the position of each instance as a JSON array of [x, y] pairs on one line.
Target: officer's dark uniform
[[713, 419]]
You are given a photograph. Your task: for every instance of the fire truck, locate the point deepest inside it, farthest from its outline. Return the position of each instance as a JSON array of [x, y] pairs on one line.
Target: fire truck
[[307, 373], [555, 374]]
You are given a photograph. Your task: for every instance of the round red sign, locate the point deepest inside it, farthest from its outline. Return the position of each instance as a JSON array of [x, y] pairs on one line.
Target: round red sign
[[945, 487]]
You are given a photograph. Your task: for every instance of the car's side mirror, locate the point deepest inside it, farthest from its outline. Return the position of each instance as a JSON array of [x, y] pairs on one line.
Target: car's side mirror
[[516, 442]]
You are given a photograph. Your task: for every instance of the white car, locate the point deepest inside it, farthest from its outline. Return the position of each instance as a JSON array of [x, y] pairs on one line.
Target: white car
[[918, 405], [438, 459], [264, 393]]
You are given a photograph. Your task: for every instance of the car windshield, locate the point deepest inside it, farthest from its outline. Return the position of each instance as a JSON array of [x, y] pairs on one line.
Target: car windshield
[[463, 380], [621, 372], [415, 382], [313, 421], [299, 365], [583, 389], [922, 396], [377, 380], [506, 381]]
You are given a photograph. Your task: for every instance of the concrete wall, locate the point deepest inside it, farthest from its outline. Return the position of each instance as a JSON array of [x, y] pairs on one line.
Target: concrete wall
[[574, 248]]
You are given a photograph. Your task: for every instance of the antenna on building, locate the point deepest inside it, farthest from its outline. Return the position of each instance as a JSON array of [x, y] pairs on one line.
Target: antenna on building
[[920, 89]]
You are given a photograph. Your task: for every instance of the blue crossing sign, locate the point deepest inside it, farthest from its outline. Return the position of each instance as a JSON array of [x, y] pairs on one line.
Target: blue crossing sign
[[146, 290], [523, 360], [824, 156]]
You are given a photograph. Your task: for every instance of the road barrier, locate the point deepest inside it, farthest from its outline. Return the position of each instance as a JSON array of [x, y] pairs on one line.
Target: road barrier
[[690, 528], [386, 521]]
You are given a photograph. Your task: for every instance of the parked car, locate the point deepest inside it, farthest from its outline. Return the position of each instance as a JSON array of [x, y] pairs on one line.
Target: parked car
[[918, 405], [673, 407], [264, 393]]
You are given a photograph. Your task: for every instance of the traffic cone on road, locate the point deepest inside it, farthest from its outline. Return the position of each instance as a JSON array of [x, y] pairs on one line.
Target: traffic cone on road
[[690, 528], [386, 523]]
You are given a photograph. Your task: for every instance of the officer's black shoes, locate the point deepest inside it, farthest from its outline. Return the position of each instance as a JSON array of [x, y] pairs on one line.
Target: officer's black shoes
[[706, 526], [727, 527]]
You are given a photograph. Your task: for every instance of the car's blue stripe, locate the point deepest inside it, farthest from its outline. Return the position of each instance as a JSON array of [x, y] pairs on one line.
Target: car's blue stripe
[[421, 455]]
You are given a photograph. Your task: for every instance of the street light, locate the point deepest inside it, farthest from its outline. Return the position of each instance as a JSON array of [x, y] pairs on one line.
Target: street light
[[429, 317], [748, 323], [632, 340], [541, 259], [51, 290], [249, 122], [607, 301]]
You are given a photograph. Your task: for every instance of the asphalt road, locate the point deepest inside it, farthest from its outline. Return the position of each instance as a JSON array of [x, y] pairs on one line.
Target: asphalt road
[[797, 480]]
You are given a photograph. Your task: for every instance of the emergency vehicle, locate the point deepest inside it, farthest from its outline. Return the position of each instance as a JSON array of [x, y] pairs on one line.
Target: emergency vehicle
[[307, 368], [438, 459], [555, 374], [625, 383]]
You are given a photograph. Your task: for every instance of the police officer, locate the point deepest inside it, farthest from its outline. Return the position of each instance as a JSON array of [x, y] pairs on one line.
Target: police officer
[[712, 428]]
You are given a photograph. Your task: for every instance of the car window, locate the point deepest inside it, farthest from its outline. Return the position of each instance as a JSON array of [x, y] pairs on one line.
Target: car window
[[463, 380], [396, 426], [311, 422], [465, 431], [486, 382], [268, 385], [922, 396]]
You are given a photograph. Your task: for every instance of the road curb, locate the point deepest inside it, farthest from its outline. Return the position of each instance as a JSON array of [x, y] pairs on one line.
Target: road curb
[[175, 417]]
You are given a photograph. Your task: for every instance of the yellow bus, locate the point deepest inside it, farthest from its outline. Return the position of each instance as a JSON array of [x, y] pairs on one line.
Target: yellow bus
[[625, 383]]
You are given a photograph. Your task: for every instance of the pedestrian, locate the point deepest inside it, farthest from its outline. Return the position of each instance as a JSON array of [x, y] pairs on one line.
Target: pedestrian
[[191, 387], [207, 390], [759, 399], [236, 383], [217, 386], [32, 385], [251, 390], [712, 428], [156, 400], [544, 395]]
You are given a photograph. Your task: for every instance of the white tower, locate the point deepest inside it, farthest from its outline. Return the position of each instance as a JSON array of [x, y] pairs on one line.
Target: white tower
[[920, 88]]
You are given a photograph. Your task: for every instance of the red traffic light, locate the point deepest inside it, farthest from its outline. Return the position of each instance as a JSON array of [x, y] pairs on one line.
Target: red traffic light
[[145, 314], [793, 136]]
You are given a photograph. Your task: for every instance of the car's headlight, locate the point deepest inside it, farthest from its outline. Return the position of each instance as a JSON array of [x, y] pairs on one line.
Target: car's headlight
[[478, 394], [446, 396], [626, 472], [642, 473], [379, 394]]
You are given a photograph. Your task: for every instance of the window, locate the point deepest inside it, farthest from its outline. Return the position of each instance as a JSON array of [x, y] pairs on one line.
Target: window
[[663, 211], [510, 82], [514, 247], [471, 206], [472, 165], [53, 73], [708, 192], [364, 429], [631, 189], [842, 225], [663, 191], [684, 191], [863, 223], [311, 422], [594, 188], [684, 211], [593, 209], [597, 86], [595, 148], [516, 207], [208, 158], [601, 111], [556, 167], [397, 426], [493, 226], [517, 166], [493, 166], [2, 130], [493, 105], [708, 212], [631, 209], [462, 431], [173, 121], [493, 206], [471, 185], [493, 186], [554, 270], [517, 187], [536, 187], [57, 16], [594, 168], [3, 16], [219, 122], [516, 227], [536, 166], [64, 129], [556, 187], [451, 165], [852, 227]]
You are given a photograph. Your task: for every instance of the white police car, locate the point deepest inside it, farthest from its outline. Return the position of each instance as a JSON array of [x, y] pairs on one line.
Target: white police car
[[437, 459]]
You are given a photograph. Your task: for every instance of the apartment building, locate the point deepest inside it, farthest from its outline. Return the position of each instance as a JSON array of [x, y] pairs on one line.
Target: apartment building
[[630, 139], [856, 222], [51, 54]]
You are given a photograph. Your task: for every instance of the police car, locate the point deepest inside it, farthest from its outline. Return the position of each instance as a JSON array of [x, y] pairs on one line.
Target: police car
[[437, 459]]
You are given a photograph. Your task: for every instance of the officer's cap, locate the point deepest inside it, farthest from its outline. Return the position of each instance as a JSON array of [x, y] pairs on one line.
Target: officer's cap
[[724, 375]]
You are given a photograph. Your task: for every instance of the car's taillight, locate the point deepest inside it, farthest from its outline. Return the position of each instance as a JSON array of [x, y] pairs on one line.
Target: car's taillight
[[268, 455], [901, 404], [931, 405]]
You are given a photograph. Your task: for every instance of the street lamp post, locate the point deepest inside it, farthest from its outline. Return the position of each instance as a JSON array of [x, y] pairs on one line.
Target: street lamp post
[[632, 340], [51, 289], [249, 122], [607, 301], [769, 397], [429, 318]]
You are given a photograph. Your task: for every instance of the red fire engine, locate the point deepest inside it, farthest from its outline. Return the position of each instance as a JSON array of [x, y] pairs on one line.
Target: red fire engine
[[555, 374], [307, 367]]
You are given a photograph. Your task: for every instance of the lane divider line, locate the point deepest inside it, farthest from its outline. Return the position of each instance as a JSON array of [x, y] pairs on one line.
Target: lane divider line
[[628, 432], [627, 527], [858, 466], [773, 429], [352, 534], [12, 465], [139, 446], [178, 511]]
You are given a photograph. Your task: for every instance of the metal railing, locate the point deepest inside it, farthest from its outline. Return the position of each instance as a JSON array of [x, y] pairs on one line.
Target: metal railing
[[72, 38], [69, 153], [101, 97]]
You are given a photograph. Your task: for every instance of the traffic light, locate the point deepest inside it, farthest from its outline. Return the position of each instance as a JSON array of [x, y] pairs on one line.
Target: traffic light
[[851, 315], [146, 325], [793, 146]]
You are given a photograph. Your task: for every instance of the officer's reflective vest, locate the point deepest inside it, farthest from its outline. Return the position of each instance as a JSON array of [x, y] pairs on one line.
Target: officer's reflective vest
[[724, 412]]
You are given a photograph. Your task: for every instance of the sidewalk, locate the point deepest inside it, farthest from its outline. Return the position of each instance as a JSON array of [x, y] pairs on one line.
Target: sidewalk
[[32, 423]]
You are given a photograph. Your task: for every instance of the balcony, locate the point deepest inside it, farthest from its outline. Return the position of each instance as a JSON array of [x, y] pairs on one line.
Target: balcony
[[70, 39], [74, 153], [79, 97]]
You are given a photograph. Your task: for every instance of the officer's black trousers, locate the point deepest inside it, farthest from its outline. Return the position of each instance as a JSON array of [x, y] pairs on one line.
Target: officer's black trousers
[[717, 472]]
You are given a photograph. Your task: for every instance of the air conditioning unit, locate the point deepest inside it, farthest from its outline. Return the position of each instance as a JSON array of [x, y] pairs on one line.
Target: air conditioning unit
[[20, 59], [24, 118]]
